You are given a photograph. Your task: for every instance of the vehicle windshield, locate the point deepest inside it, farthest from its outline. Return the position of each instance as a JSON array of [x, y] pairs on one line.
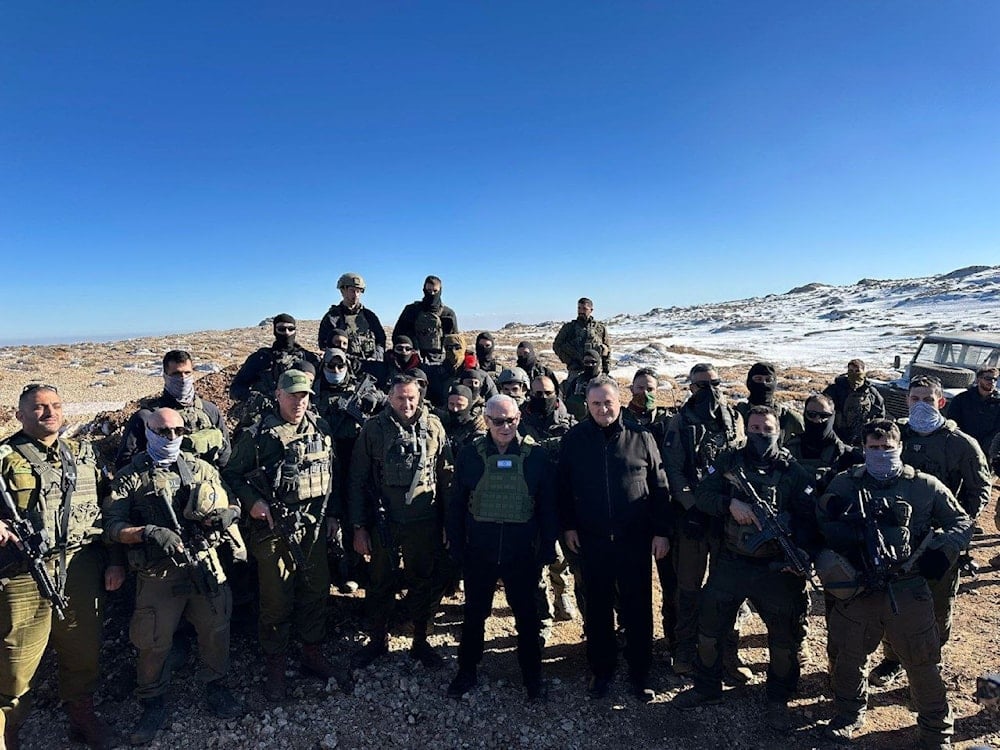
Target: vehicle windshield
[[955, 354]]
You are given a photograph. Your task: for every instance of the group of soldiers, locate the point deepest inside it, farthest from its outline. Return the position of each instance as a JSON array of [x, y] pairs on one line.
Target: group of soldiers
[[411, 463]]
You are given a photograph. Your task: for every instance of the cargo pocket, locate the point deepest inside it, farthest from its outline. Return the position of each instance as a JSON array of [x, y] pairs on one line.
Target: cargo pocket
[[142, 629]]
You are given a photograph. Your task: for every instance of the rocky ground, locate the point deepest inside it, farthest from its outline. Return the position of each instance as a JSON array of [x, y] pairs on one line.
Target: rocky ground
[[395, 702]]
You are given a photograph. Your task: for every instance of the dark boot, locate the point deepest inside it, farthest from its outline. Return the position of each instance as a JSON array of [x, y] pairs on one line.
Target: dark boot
[[154, 714], [378, 645], [274, 688], [87, 727], [315, 663], [221, 702]]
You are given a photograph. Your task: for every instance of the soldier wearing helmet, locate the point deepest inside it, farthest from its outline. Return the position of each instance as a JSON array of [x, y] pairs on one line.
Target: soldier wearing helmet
[[365, 334]]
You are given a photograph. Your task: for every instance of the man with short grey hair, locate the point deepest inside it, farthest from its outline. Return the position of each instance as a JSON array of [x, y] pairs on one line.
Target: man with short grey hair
[[614, 509], [501, 525]]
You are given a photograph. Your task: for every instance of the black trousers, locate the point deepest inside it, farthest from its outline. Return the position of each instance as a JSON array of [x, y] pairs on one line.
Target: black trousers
[[623, 566], [519, 573]]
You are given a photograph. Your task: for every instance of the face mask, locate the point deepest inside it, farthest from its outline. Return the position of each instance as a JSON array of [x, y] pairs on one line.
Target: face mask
[[883, 464], [761, 446], [855, 378], [432, 299], [284, 340], [591, 370], [180, 388], [484, 353], [650, 401], [925, 418], [542, 404], [761, 394], [334, 377], [164, 451], [818, 431]]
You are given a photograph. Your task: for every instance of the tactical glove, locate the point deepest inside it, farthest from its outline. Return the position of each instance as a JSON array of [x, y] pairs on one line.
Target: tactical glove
[[223, 518], [163, 539], [933, 564]]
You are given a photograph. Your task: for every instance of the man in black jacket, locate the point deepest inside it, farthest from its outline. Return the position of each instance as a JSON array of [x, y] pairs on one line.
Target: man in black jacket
[[856, 402], [976, 410], [501, 524], [365, 334], [427, 321], [614, 509]]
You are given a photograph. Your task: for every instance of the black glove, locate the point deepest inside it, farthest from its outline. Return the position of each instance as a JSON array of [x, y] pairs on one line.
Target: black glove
[[695, 524], [223, 518], [164, 539], [369, 403], [933, 564]]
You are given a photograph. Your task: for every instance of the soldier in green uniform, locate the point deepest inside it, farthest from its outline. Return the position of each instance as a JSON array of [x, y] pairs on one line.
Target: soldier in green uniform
[[171, 510], [758, 571], [935, 446], [876, 518], [365, 334], [55, 485], [400, 472], [762, 383], [283, 470], [577, 336], [575, 387], [705, 426]]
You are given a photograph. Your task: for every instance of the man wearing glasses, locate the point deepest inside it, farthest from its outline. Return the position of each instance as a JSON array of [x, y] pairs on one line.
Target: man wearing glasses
[[207, 436], [257, 379], [705, 426], [501, 526], [365, 334], [976, 410], [172, 511], [55, 485], [402, 359], [614, 509]]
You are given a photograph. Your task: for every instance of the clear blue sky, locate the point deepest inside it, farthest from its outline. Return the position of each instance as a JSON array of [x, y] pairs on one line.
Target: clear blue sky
[[187, 165]]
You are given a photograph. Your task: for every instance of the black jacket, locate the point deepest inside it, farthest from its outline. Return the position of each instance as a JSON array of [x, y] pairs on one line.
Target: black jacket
[[407, 323], [976, 416], [610, 482], [336, 318], [257, 371]]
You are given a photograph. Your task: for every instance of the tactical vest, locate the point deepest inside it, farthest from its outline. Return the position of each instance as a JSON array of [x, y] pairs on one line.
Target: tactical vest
[[429, 331], [406, 461], [502, 495], [587, 337], [768, 486], [281, 360], [53, 482], [310, 450], [702, 446], [360, 337], [893, 516]]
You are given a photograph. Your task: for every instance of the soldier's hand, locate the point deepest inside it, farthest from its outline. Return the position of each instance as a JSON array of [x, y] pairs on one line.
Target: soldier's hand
[[6, 535], [167, 540], [262, 512], [363, 543], [572, 540], [742, 513], [332, 527], [114, 577], [661, 546]]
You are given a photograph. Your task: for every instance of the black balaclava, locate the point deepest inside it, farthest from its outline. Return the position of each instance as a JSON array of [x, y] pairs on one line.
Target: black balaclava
[[283, 340], [527, 360], [432, 301], [485, 355], [465, 415], [421, 378], [705, 402], [402, 360], [762, 394], [594, 371], [762, 448], [542, 405], [816, 434]]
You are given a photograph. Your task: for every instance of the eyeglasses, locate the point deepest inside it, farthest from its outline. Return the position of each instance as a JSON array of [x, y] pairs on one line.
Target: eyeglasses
[[503, 421], [30, 387], [402, 348], [714, 383], [171, 432], [284, 329], [988, 378], [818, 415]]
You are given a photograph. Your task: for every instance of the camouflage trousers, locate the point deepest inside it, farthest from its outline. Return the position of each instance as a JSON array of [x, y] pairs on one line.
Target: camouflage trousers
[[857, 626], [160, 602], [27, 625], [290, 596]]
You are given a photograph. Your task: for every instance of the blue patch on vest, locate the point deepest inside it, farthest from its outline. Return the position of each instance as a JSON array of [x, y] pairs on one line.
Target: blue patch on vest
[[504, 463]]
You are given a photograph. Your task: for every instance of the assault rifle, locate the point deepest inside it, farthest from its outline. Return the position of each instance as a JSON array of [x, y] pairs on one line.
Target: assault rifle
[[350, 406], [878, 559], [32, 544], [773, 527], [199, 571]]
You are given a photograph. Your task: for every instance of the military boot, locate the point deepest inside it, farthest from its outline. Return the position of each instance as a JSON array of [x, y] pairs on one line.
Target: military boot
[[424, 652], [154, 714], [274, 687], [221, 702], [315, 663], [378, 645], [86, 726], [843, 728]]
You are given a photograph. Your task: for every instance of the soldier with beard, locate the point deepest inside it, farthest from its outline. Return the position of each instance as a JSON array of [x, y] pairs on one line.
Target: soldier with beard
[[578, 336], [935, 446], [365, 334], [427, 321], [486, 354], [575, 388], [745, 570], [400, 360], [461, 425], [856, 402], [705, 426], [257, 379], [976, 410], [762, 381], [527, 360], [207, 435]]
